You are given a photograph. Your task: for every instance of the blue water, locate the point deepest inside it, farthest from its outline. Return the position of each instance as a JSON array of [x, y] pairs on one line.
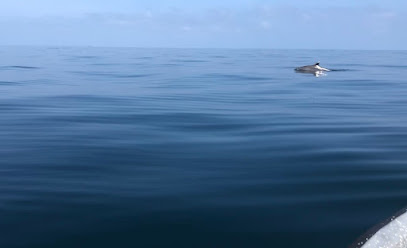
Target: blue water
[[121, 147]]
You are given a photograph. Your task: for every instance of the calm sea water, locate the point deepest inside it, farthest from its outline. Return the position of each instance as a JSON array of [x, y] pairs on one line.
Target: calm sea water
[[110, 147]]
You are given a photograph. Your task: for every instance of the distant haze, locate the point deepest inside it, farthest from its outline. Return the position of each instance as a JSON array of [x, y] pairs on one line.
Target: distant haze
[[368, 24]]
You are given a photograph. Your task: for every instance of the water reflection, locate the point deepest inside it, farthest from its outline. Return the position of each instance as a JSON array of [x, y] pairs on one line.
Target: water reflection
[[315, 73]]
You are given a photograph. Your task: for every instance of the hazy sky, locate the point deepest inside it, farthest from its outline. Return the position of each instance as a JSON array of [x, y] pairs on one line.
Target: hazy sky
[[344, 24]]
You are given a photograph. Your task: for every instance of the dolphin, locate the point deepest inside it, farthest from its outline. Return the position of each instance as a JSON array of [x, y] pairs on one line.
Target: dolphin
[[315, 68]]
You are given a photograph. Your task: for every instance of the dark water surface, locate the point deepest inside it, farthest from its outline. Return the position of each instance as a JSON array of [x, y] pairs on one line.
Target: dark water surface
[[110, 147]]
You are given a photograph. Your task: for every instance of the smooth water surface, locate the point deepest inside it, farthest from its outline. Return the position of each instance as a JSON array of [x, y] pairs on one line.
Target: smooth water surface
[[121, 147]]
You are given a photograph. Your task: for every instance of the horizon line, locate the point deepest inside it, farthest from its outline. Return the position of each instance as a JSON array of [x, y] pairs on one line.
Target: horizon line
[[193, 48]]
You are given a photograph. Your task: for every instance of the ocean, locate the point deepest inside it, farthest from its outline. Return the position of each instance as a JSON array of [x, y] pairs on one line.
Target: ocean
[[129, 147]]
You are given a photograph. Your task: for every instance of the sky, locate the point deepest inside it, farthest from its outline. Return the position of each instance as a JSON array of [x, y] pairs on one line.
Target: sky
[[289, 24]]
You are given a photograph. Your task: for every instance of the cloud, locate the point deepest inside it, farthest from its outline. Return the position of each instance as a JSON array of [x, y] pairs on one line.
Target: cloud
[[187, 28], [265, 24], [260, 25]]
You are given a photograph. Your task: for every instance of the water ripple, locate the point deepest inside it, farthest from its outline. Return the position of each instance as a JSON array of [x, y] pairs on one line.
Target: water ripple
[[226, 147], [18, 67]]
